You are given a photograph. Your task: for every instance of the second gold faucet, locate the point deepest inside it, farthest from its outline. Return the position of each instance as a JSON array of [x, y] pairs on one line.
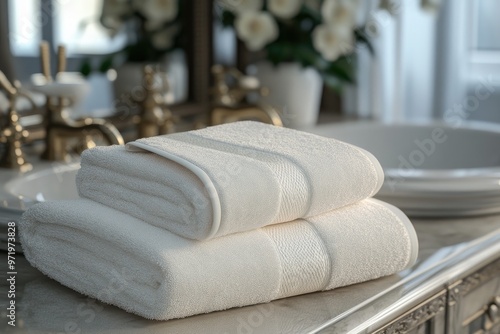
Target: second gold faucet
[[65, 135]]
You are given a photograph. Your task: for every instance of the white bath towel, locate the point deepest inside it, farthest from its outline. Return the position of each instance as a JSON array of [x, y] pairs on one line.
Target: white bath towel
[[229, 178], [149, 271]]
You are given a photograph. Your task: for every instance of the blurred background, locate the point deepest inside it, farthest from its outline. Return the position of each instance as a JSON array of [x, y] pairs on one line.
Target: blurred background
[[412, 60]]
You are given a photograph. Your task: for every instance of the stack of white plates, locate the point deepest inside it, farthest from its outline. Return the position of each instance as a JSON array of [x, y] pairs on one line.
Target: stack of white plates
[[432, 170]]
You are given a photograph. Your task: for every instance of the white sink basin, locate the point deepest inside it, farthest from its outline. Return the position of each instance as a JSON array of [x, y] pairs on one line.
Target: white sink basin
[[428, 150], [54, 183], [432, 170], [49, 181]]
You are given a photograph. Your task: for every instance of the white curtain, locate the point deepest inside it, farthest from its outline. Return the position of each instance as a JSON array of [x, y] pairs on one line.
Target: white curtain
[[398, 83], [451, 55]]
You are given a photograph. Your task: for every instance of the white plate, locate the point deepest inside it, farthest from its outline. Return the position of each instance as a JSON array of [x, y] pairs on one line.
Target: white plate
[[446, 213], [443, 188]]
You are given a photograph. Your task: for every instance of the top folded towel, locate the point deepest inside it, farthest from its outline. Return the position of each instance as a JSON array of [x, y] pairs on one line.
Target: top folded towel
[[228, 178]]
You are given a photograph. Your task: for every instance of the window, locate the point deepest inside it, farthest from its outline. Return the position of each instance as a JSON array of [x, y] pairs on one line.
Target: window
[[487, 25], [25, 26], [484, 36], [74, 23]]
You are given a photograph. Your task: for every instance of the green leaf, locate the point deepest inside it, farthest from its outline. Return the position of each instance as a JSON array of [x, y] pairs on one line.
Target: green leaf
[[362, 37], [228, 18], [334, 83], [342, 69], [306, 55], [106, 64], [86, 67], [311, 13], [279, 52]]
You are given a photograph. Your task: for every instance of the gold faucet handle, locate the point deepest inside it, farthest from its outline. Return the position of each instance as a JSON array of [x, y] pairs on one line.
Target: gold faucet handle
[[250, 84], [12, 135], [5, 83], [232, 85], [45, 60], [61, 58], [149, 77]]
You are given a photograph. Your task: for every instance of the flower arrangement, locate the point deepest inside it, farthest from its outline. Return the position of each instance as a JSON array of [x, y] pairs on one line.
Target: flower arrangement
[[152, 26], [321, 34]]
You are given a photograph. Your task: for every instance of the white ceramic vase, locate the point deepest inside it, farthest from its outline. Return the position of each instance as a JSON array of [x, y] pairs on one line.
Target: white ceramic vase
[[294, 90]]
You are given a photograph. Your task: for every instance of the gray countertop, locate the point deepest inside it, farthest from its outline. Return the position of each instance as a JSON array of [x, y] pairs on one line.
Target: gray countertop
[[448, 248]]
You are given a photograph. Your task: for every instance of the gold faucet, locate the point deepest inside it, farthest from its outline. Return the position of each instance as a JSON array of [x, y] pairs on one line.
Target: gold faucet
[[13, 135], [155, 118], [229, 99], [64, 135]]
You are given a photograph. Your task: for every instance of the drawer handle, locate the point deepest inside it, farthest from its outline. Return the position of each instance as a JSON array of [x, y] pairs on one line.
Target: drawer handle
[[493, 310]]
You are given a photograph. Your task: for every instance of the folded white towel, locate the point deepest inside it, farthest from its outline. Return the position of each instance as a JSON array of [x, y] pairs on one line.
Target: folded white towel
[[229, 178], [149, 271]]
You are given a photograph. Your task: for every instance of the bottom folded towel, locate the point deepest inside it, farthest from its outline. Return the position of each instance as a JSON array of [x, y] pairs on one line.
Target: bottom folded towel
[[143, 269]]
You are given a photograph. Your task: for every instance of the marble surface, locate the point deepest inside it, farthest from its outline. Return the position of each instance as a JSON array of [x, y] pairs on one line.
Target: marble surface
[[447, 248]]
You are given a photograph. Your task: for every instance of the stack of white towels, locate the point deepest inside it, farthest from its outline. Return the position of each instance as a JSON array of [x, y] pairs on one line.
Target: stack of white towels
[[227, 216]]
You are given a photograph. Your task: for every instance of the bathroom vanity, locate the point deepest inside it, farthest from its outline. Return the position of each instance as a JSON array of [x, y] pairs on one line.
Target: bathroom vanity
[[453, 288]]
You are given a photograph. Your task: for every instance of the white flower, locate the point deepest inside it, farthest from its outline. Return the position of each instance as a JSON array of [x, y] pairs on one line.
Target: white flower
[[256, 29], [284, 9], [153, 25], [164, 39], [340, 12], [113, 12], [242, 6], [158, 10], [115, 7], [332, 40]]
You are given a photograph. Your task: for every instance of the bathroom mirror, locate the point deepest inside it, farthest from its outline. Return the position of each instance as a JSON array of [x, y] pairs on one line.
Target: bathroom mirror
[[427, 58], [96, 32]]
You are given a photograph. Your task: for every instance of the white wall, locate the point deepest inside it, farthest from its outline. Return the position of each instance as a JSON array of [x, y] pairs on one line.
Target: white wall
[[415, 85]]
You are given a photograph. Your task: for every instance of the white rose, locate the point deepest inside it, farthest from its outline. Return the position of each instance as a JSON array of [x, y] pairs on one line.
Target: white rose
[[151, 25], [115, 7], [340, 12], [332, 40], [113, 12], [242, 6], [158, 10], [284, 9], [256, 29]]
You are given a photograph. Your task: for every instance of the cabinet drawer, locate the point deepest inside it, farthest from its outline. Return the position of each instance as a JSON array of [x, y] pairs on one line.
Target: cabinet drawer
[[427, 318], [474, 302]]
